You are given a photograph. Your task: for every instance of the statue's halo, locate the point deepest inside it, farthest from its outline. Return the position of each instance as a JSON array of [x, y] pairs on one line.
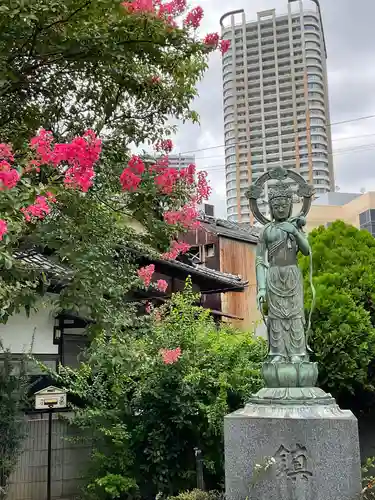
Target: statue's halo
[[281, 174]]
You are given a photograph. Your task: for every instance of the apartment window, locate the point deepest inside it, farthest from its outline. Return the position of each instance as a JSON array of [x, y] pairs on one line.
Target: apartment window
[[311, 27], [314, 78], [366, 217]]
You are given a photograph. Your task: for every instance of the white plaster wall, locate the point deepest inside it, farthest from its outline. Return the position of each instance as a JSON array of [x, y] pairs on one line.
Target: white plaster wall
[[17, 334]]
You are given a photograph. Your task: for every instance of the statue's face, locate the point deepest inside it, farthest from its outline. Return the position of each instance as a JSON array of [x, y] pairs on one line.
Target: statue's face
[[281, 208]]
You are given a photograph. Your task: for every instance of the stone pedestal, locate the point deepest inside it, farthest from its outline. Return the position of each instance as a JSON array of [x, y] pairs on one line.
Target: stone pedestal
[[292, 443]]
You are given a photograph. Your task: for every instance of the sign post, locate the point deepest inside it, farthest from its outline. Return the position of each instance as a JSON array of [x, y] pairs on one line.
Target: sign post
[[50, 399]]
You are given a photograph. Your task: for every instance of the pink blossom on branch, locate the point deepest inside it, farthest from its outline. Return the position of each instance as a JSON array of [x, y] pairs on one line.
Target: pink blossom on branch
[[39, 209], [159, 8], [9, 176], [165, 145], [203, 188], [186, 217], [146, 273], [136, 165], [224, 46], [42, 144], [80, 155], [129, 181], [212, 40], [3, 228], [177, 248], [161, 285], [6, 152], [167, 180], [194, 18], [170, 356], [139, 6], [32, 166], [188, 173]]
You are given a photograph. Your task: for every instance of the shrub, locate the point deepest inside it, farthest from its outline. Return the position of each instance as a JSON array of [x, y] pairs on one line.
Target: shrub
[[147, 415], [199, 495]]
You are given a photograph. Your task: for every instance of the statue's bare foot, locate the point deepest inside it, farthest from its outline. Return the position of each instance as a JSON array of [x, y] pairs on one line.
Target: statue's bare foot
[[297, 359], [276, 359]]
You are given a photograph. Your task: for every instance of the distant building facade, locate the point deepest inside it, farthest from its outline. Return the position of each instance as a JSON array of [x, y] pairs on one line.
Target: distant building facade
[[275, 97], [181, 160], [353, 208]]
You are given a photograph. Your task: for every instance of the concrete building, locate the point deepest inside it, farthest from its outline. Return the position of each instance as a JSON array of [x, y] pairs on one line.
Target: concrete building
[[354, 208], [180, 160], [276, 109]]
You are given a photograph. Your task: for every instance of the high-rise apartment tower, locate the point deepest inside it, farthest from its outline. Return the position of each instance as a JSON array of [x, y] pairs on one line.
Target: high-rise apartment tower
[[276, 109]]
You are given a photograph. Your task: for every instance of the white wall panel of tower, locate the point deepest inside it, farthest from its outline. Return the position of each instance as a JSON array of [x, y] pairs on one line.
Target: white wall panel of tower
[[275, 97]]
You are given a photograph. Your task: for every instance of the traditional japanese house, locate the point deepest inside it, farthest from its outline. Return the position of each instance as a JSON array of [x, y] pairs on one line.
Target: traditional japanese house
[[60, 338], [228, 247]]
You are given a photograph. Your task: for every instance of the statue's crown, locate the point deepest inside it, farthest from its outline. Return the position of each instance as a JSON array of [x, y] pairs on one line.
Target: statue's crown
[[279, 190]]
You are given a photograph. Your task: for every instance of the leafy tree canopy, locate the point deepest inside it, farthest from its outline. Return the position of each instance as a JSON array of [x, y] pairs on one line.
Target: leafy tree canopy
[[119, 71], [69, 66], [343, 320]]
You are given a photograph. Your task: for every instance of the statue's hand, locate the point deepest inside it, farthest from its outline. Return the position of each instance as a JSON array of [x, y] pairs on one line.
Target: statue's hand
[[261, 298], [288, 227]]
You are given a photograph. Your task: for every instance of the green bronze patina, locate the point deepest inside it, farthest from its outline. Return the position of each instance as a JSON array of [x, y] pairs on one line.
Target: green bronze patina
[[288, 374]]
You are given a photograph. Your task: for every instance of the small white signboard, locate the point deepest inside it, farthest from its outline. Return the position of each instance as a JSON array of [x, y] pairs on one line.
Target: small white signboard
[[50, 397]]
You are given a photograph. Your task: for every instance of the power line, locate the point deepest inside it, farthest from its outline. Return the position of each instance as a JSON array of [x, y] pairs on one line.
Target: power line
[[333, 140], [281, 135], [358, 149]]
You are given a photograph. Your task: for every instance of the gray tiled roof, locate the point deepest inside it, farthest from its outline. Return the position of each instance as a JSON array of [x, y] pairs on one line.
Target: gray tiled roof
[[231, 230], [57, 272], [40, 262], [225, 278]]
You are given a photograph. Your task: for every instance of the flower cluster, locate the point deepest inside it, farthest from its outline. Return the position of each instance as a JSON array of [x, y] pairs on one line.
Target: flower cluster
[[165, 145], [177, 248], [32, 166], [165, 178], [80, 156], [168, 11], [130, 177], [3, 228], [9, 176], [161, 285], [203, 188], [39, 209], [170, 356], [224, 46], [213, 41], [6, 152], [194, 18], [146, 273], [186, 217]]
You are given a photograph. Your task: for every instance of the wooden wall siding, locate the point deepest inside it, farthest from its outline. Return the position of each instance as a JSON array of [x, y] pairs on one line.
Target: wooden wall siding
[[237, 257], [199, 236]]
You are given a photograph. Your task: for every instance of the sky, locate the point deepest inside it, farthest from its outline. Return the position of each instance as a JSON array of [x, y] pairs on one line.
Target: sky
[[350, 38]]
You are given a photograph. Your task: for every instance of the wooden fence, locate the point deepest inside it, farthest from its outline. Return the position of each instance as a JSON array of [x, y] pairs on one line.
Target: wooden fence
[[29, 480]]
